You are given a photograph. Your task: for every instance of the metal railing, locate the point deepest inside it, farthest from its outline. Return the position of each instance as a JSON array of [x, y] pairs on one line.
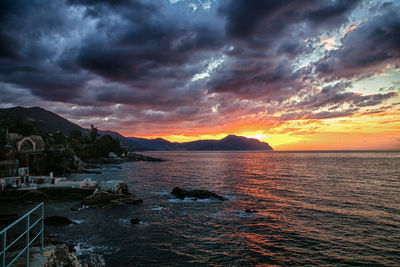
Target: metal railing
[[28, 228]]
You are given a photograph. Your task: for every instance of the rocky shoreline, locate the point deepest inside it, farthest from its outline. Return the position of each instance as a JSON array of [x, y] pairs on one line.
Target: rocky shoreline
[[61, 254], [92, 166], [116, 160]]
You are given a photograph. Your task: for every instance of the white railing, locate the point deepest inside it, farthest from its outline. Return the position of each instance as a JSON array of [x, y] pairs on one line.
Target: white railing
[[29, 241]]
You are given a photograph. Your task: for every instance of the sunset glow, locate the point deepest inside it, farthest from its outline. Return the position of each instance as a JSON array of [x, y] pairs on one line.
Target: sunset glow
[[318, 75]]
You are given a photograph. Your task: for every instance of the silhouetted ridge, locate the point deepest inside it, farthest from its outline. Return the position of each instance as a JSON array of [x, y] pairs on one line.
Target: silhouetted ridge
[[44, 119], [51, 122], [231, 142]]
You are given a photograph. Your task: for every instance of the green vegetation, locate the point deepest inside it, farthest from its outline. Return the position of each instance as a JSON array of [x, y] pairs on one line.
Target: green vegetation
[[91, 147], [58, 156], [19, 126], [24, 128]]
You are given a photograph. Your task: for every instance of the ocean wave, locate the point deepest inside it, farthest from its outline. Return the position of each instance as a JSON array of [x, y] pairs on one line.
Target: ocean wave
[[250, 215], [78, 221], [157, 208], [81, 249], [193, 200], [127, 223], [84, 248], [123, 221], [164, 193]]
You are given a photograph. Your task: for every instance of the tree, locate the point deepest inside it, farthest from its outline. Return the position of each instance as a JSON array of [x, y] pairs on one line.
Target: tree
[[24, 128], [93, 133], [59, 138], [75, 134], [107, 144]]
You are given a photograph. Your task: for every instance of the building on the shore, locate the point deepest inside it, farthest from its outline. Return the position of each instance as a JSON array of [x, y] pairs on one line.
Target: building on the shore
[[20, 151], [112, 155], [27, 144], [8, 168]]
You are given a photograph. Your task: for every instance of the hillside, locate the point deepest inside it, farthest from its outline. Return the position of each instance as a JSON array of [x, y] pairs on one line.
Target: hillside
[[51, 122], [231, 142], [44, 119]]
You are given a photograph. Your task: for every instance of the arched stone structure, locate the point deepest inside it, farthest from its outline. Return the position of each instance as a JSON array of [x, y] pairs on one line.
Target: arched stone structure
[[26, 144]]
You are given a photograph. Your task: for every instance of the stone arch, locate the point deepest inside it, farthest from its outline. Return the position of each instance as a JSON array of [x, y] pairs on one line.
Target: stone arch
[[26, 144]]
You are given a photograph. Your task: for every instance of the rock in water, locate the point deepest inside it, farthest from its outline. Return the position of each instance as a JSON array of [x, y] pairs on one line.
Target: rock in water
[[250, 211], [200, 194], [105, 198], [57, 220], [135, 221], [92, 260], [123, 189], [179, 193], [63, 257]]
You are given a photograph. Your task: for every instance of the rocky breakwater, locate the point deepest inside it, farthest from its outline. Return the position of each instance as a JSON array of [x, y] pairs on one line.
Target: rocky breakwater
[[101, 198], [116, 160], [195, 194], [140, 157]]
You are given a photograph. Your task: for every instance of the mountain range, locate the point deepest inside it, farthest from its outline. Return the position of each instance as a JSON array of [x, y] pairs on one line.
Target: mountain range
[[51, 123]]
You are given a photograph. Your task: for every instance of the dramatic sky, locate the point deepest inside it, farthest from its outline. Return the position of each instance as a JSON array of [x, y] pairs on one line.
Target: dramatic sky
[[312, 74]]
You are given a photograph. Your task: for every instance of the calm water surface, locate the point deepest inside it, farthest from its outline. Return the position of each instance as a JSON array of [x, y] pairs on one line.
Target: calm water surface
[[313, 209]]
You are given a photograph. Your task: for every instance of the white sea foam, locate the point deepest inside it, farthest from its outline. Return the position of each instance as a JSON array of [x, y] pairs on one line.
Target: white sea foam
[[219, 214], [123, 221], [230, 198], [244, 215], [250, 215], [193, 200], [82, 250], [78, 221], [83, 207], [157, 208], [164, 193], [127, 223]]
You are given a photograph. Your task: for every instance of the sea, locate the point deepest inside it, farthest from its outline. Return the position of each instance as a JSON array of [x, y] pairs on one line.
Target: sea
[[311, 209]]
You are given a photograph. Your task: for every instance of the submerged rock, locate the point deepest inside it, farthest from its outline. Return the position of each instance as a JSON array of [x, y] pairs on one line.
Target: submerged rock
[[58, 221], [198, 194], [135, 221], [103, 198], [140, 157], [250, 211]]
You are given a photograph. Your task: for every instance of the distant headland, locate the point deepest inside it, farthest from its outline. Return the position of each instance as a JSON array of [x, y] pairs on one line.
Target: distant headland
[[51, 123]]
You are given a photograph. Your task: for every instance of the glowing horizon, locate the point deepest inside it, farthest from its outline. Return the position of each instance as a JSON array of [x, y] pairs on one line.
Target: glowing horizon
[[299, 75]]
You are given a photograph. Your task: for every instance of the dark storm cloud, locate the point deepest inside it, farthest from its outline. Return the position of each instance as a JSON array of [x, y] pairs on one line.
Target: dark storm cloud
[[145, 55], [333, 12], [267, 36], [270, 18], [28, 31], [252, 79], [365, 50], [97, 2], [140, 51]]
